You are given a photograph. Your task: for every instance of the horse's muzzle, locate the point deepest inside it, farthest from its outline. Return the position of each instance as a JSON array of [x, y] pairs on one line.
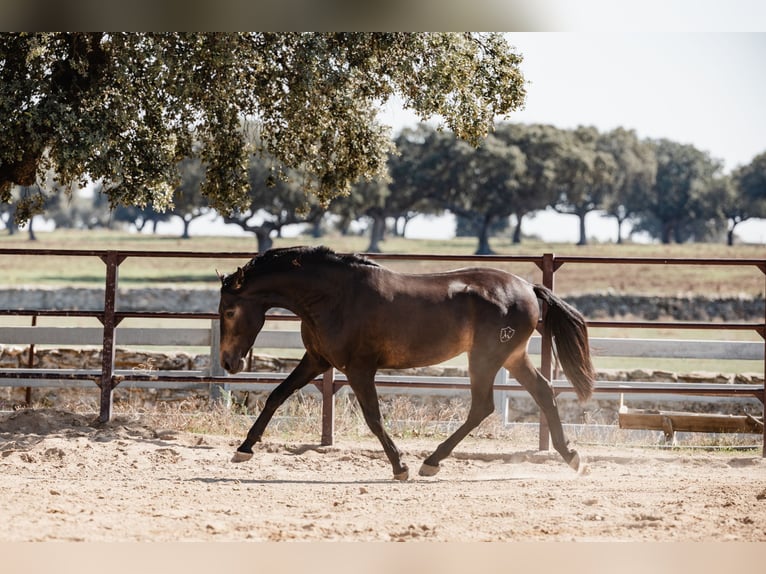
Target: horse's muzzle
[[231, 365]]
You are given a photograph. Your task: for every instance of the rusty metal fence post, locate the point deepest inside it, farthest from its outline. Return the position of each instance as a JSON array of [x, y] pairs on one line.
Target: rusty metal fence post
[[109, 320], [546, 347]]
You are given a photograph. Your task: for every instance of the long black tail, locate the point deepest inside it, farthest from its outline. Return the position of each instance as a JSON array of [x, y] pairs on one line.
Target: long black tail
[[570, 332]]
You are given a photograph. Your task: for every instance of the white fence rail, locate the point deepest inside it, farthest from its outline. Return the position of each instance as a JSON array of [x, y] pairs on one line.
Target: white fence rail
[[289, 339]]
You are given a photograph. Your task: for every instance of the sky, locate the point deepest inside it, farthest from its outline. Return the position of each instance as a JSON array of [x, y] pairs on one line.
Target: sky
[[702, 88]]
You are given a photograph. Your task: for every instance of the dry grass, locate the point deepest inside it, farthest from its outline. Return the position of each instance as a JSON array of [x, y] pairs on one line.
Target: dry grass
[[432, 418]]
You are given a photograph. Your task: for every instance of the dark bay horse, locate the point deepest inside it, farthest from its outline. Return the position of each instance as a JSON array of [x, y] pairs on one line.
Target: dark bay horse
[[359, 317]]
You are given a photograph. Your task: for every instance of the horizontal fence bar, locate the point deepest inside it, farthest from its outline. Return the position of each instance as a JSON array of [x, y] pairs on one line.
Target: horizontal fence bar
[[142, 378]]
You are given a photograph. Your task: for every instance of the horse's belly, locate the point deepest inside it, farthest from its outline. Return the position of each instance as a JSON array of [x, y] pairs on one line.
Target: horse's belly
[[422, 350]]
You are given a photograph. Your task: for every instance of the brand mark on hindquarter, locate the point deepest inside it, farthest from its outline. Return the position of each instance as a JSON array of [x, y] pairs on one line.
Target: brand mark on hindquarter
[[506, 333]]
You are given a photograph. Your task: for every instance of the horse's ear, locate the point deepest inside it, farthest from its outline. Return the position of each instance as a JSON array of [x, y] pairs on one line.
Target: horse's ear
[[220, 275], [239, 279]]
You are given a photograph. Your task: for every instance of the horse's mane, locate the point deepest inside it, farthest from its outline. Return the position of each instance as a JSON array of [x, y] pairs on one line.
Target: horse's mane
[[289, 258]]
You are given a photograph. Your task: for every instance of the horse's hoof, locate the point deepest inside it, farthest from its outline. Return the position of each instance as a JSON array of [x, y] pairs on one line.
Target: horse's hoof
[[404, 475], [241, 456], [428, 470], [574, 462], [578, 465]]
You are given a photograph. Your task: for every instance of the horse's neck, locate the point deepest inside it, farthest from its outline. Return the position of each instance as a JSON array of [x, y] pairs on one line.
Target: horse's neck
[[303, 292]]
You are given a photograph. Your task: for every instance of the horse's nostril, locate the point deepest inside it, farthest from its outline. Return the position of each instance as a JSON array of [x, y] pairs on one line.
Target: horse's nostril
[[231, 365]]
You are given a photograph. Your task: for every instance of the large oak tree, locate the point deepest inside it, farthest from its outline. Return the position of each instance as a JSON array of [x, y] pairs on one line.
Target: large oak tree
[[125, 108]]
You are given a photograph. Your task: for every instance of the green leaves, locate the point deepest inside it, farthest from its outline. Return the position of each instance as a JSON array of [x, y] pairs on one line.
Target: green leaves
[[126, 107]]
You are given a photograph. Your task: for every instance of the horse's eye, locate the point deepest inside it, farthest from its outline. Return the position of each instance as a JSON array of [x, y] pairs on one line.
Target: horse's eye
[[228, 314]]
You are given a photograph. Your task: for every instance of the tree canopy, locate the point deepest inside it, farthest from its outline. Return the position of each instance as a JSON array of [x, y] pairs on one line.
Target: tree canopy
[[126, 108]]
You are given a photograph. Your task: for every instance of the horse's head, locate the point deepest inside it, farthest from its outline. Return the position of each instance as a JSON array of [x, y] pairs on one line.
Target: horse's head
[[241, 318]]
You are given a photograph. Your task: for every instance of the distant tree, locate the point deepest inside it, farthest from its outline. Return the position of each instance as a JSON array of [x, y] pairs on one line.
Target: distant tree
[[124, 108], [20, 194], [470, 227], [541, 146], [437, 171], [632, 179], [584, 176], [276, 199], [487, 187], [188, 201], [413, 185], [138, 217], [7, 211], [368, 199], [751, 178], [744, 194], [680, 206]]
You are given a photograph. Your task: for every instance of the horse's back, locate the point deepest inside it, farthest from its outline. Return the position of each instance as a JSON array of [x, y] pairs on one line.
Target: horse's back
[[490, 287], [410, 320]]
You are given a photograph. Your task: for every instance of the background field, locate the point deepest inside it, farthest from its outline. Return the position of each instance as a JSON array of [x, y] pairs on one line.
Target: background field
[[642, 279]]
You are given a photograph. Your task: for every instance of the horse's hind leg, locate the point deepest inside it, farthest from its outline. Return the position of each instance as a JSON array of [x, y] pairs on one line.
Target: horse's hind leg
[[542, 392], [482, 405]]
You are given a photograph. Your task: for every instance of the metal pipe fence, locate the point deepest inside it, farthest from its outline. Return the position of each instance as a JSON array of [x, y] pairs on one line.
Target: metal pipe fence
[[548, 264]]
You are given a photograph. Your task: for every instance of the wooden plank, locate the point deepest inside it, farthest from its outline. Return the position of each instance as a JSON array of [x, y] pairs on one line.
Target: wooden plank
[[687, 422]]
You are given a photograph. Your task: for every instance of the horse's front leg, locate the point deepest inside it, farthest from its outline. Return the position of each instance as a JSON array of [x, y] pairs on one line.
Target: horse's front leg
[[362, 382], [309, 368]]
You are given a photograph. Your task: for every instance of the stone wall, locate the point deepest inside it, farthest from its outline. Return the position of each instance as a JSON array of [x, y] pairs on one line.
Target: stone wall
[[593, 306], [90, 299], [652, 308]]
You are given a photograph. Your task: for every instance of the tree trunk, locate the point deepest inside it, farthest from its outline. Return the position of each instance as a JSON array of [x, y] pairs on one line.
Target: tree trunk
[[316, 228], [404, 226], [484, 248], [583, 237], [32, 236], [264, 239], [10, 224], [377, 229], [619, 230], [667, 228], [185, 234], [730, 232], [517, 230]]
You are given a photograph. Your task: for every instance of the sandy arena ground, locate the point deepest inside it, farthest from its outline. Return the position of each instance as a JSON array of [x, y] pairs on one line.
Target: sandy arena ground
[[63, 479]]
